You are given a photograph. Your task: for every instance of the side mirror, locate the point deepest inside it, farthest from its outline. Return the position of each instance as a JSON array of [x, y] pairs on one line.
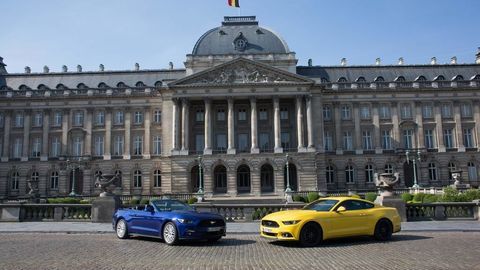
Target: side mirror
[[341, 209], [150, 208]]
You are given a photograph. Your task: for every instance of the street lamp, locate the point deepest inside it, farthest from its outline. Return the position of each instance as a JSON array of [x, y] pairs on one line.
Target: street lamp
[[73, 166], [288, 189], [200, 178], [414, 157]]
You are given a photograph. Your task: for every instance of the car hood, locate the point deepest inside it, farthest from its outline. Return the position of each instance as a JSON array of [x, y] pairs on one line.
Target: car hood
[[199, 215], [290, 215]]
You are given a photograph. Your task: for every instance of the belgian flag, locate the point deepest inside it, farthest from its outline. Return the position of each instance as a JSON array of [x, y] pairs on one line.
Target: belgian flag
[[233, 3]]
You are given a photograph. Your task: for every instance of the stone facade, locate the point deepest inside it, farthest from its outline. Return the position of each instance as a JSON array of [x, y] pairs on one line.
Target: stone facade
[[238, 113]]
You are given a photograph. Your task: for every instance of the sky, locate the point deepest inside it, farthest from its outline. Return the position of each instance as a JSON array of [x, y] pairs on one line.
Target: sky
[[120, 33]]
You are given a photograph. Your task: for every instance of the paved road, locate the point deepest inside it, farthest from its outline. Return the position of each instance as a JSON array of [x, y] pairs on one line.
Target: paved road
[[408, 250]]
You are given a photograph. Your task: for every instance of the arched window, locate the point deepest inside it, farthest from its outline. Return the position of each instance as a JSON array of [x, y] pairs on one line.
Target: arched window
[[458, 78], [157, 178], [324, 80], [54, 180], [369, 173], [379, 79], [266, 178], [451, 167], [472, 171], [342, 80], [476, 78], [330, 174], [99, 173], [432, 172], [42, 87], [102, 85], [60, 86], [34, 177], [439, 78], [243, 179], [119, 173], [121, 85], [23, 87], [195, 178], [158, 84], [349, 174], [14, 181], [420, 79], [137, 179], [400, 79], [220, 179], [361, 79], [139, 84], [388, 168], [82, 86]]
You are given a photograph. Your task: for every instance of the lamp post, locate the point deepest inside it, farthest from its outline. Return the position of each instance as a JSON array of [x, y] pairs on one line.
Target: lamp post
[[414, 157], [73, 165], [288, 189], [200, 178]]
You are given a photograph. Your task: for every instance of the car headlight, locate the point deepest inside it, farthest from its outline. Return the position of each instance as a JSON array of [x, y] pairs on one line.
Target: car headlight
[[290, 222], [184, 221]]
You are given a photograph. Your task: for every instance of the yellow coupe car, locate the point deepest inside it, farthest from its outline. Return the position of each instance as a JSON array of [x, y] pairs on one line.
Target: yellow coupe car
[[331, 217]]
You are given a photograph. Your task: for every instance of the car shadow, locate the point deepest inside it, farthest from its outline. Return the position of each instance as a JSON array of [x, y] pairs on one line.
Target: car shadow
[[224, 242], [352, 241]]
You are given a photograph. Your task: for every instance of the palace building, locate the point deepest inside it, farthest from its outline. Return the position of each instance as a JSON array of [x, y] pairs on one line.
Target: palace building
[[231, 120]]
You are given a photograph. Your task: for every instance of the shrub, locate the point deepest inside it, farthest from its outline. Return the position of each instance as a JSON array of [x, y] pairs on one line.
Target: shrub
[[407, 197], [450, 194], [418, 198], [134, 202], [471, 194], [312, 196], [430, 198], [145, 201], [64, 200], [85, 202], [192, 200], [256, 214], [370, 196], [298, 198], [355, 196]]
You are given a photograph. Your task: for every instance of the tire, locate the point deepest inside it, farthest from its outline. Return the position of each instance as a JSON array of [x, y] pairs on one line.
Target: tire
[[170, 234], [121, 229], [310, 235], [383, 230], [213, 240]]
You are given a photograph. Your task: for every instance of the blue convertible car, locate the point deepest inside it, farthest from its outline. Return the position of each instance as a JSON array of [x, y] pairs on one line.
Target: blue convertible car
[[170, 220]]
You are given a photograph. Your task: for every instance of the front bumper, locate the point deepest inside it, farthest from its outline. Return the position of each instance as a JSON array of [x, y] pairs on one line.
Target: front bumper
[[283, 232], [199, 233]]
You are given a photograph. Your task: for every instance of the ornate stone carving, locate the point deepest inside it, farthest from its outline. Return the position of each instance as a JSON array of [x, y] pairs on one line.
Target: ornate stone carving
[[107, 182], [385, 182]]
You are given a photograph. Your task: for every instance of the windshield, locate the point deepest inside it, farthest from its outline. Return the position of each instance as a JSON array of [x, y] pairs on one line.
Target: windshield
[[322, 205], [171, 205]]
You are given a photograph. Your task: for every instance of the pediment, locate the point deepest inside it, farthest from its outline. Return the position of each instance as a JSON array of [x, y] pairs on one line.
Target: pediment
[[241, 71]]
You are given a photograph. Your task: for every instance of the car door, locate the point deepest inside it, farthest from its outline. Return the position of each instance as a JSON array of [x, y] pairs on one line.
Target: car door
[[352, 221], [150, 221]]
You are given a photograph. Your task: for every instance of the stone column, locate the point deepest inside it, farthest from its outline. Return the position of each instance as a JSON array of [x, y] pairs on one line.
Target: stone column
[[299, 109], [253, 127], [147, 137], [26, 135], [88, 135], [338, 128], [358, 130], [439, 127], [107, 155], [65, 127], [185, 126], [276, 126], [476, 118], [208, 127], [419, 119], [376, 129], [175, 126], [318, 124], [458, 128], [310, 145], [396, 125], [46, 128], [127, 140], [231, 128], [6, 136]]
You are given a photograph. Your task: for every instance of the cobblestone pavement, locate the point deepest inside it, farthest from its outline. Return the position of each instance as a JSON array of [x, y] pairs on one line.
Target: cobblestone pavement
[[408, 250]]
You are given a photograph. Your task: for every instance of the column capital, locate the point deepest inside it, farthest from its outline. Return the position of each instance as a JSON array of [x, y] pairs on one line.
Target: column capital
[[207, 101], [185, 101], [253, 99]]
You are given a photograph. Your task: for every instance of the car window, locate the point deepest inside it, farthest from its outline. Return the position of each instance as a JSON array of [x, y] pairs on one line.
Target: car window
[[321, 205], [171, 205], [356, 205]]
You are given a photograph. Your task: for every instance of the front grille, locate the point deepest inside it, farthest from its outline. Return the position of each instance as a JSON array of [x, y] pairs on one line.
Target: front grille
[[270, 234], [212, 223], [269, 223]]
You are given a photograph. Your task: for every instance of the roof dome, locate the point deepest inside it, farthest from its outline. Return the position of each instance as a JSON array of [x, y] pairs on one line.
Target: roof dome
[[239, 35]]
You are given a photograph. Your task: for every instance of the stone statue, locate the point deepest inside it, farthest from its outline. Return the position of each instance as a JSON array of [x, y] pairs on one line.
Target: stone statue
[[385, 182], [457, 177], [107, 182], [33, 188]]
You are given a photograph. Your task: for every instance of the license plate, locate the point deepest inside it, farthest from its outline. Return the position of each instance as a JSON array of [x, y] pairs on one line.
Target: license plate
[[214, 229], [268, 230]]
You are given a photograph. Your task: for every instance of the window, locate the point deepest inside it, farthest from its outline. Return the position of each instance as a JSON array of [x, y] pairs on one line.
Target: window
[[221, 142], [17, 147], [14, 181], [406, 111], [157, 178], [157, 145], [36, 147], [2, 120], [432, 172], [242, 115], [429, 139], [446, 111], [448, 138], [352, 205], [119, 117], [57, 119], [137, 179], [388, 168], [342, 80], [56, 147], [472, 171], [221, 114], [34, 177], [77, 146], [347, 140], [349, 178], [466, 110], [330, 174], [54, 180], [199, 115], [468, 137], [137, 145], [367, 140], [199, 143], [346, 115], [385, 111], [118, 145], [138, 118], [451, 167], [18, 120], [328, 140], [263, 114], [242, 142], [427, 111], [365, 112], [285, 139], [38, 119], [78, 118], [369, 173], [264, 141], [100, 118], [408, 138], [327, 113], [283, 113], [99, 145], [157, 117]]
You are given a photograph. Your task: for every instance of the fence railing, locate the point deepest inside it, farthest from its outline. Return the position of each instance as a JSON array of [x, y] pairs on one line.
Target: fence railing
[[45, 212], [442, 211]]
